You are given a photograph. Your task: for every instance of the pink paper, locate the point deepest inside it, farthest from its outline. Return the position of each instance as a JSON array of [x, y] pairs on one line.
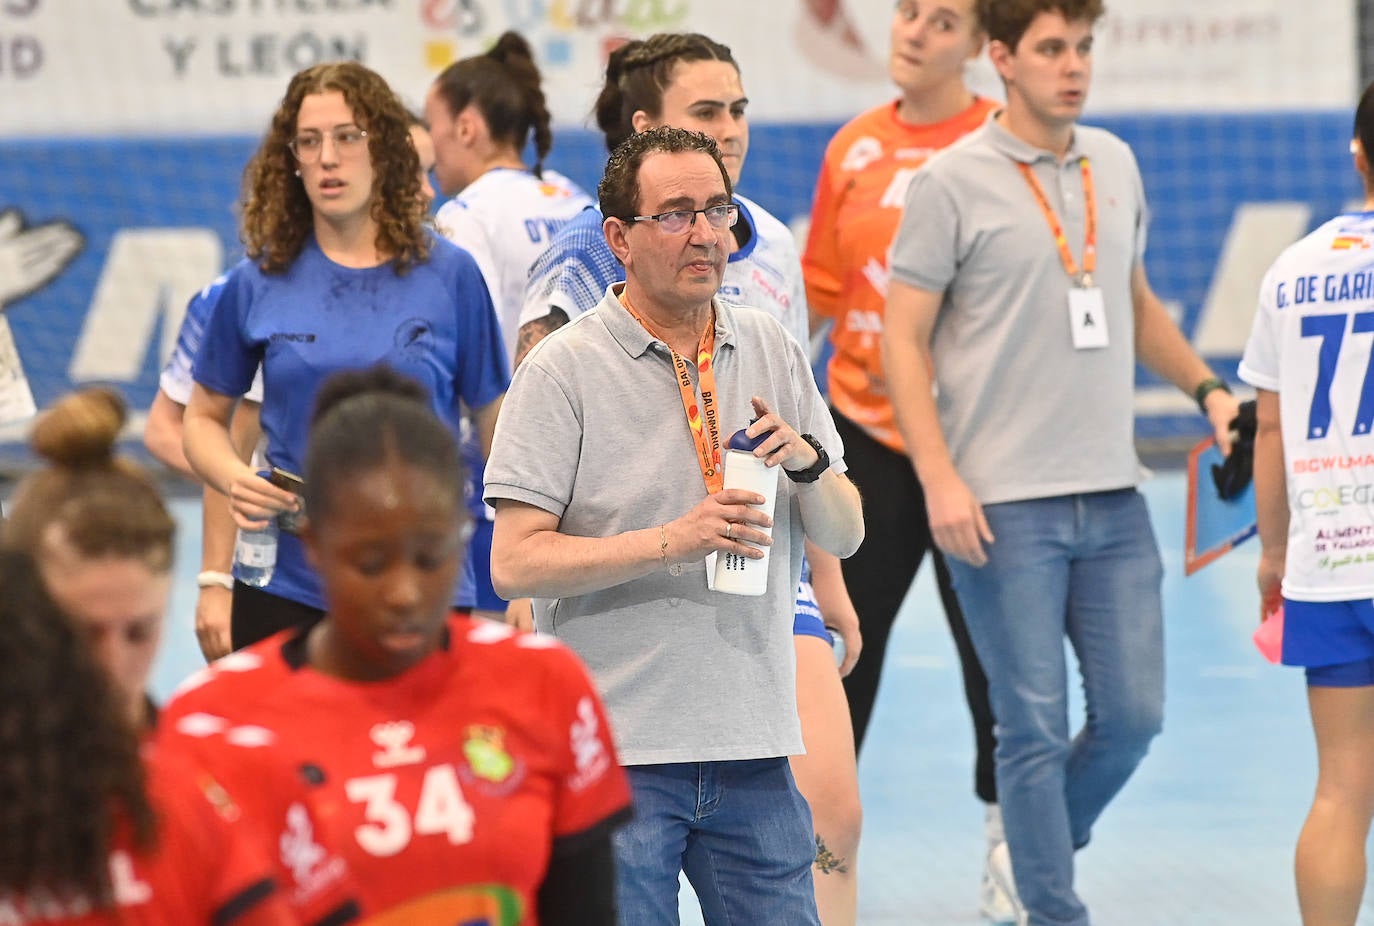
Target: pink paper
[[1269, 637]]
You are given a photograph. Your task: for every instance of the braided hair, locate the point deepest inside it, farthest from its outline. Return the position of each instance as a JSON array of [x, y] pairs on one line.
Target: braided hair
[[639, 72]]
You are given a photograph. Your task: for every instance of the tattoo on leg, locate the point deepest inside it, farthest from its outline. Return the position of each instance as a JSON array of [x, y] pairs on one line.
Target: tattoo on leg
[[828, 862]]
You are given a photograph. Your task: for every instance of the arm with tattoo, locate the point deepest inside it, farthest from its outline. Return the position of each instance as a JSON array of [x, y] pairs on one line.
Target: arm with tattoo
[[532, 332]]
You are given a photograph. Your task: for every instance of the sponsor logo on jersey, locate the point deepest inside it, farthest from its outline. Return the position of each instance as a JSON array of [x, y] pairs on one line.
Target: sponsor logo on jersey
[[485, 750], [299, 850], [862, 153], [393, 738], [1350, 243], [590, 757]]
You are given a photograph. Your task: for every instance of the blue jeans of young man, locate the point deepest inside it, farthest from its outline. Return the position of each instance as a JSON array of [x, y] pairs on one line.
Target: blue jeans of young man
[[1085, 567], [740, 830]]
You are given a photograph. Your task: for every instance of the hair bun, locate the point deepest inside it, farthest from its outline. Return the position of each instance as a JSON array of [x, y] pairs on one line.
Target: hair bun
[[81, 429]]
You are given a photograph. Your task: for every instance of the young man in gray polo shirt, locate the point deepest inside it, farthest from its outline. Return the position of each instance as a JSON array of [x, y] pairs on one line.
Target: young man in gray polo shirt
[[605, 477], [1018, 281]]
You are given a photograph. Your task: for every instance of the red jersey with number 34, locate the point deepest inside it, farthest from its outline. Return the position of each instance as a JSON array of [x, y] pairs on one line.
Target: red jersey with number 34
[[444, 789]]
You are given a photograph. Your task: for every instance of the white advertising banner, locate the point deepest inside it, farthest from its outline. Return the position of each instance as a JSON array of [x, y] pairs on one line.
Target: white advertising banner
[[176, 67]]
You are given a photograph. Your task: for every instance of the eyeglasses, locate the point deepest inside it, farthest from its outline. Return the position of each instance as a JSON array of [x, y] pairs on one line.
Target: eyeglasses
[[348, 141], [679, 221]]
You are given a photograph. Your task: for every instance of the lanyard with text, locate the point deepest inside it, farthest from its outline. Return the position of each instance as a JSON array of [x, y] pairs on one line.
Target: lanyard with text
[[704, 421], [1085, 279], [1087, 308]]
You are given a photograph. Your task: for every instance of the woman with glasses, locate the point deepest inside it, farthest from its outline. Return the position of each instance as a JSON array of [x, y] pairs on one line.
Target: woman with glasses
[[341, 273], [689, 81], [482, 112]]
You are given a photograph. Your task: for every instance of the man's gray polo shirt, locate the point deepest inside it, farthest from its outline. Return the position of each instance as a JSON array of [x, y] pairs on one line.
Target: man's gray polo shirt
[[1024, 413], [593, 430]]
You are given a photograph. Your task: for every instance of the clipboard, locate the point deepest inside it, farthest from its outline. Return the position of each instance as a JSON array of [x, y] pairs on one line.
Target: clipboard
[[1213, 526]]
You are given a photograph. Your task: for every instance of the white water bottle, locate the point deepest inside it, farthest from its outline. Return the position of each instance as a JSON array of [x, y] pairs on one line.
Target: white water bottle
[[255, 554], [737, 574]]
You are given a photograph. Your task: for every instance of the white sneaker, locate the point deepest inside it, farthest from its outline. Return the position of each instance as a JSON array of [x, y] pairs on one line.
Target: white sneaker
[[999, 901], [993, 903]]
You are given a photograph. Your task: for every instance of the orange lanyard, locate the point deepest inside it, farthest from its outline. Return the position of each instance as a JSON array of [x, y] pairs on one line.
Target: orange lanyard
[[704, 421], [1057, 229]]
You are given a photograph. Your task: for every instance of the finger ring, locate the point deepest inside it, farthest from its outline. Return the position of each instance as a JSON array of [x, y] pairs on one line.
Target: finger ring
[[729, 530]]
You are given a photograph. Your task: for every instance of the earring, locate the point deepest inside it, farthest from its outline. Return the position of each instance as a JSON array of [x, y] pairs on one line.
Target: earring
[[298, 173]]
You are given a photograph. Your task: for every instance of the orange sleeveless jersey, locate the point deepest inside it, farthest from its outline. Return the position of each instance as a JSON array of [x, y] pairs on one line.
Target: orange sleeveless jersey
[[858, 205]]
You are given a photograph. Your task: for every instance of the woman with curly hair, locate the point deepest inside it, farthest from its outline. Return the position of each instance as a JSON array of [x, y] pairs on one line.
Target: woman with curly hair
[[341, 273], [97, 826]]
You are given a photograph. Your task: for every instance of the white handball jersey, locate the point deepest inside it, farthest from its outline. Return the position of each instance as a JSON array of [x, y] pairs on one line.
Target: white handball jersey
[[766, 273], [1311, 343], [505, 219]]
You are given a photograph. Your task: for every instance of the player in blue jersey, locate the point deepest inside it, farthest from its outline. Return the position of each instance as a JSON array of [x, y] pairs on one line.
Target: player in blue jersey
[[341, 273], [162, 435], [482, 111], [689, 81], [1309, 358]]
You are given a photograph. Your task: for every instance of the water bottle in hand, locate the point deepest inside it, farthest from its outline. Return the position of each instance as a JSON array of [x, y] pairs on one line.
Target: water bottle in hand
[[255, 555], [735, 573]]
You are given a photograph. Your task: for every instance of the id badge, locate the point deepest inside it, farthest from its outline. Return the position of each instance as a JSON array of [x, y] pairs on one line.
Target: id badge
[[1087, 318]]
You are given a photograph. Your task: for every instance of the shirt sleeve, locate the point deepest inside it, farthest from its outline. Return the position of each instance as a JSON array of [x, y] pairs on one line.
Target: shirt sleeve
[[457, 226], [483, 369], [1142, 220], [591, 794], [227, 360], [925, 249], [176, 380], [538, 443], [821, 261], [1259, 365], [815, 417], [572, 274]]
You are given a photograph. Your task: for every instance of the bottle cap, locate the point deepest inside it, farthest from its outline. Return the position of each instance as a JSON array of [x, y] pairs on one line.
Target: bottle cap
[[740, 440]]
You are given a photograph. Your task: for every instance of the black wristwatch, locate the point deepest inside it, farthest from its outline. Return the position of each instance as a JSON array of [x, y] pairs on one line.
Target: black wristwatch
[[1205, 388], [814, 471]]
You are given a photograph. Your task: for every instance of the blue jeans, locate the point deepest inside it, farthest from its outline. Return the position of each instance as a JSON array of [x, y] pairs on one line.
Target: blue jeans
[[1085, 567], [740, 830]]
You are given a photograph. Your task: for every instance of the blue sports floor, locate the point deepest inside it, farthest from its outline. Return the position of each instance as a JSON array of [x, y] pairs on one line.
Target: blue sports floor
[[1203, 835]]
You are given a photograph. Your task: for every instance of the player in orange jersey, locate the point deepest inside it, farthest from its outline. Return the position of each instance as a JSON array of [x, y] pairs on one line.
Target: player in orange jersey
[[465, 772], [858, 204]]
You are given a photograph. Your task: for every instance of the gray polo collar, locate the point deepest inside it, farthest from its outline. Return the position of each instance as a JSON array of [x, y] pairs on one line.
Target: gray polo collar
[[635, 340], [1019, 150]]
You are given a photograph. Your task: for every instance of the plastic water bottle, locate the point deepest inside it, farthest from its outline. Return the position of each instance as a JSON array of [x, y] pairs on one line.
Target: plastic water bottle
[[737, 574], [255, 554]]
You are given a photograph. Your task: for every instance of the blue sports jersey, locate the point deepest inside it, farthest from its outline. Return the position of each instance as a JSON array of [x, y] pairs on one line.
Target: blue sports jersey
[[176, 379], [435, 323]]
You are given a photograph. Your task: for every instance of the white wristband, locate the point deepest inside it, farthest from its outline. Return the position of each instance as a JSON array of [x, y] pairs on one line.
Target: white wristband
[[212, 578]]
